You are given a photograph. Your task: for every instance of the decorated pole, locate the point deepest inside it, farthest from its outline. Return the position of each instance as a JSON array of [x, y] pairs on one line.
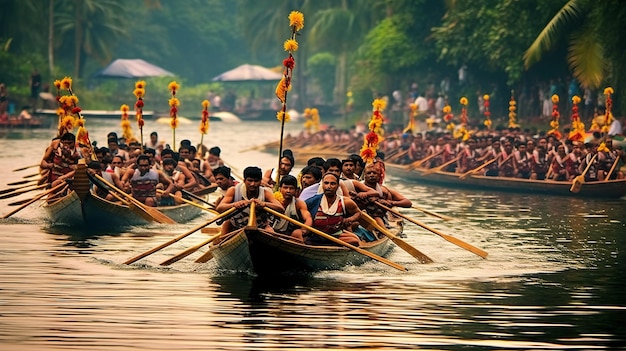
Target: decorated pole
[[410, 128], [69, 105], [296, 22], [487, 113], [512, 113], [372, 139], [462, 133], [140, 92], [204, 122], [554, 123], [578, 127], [174, 103]]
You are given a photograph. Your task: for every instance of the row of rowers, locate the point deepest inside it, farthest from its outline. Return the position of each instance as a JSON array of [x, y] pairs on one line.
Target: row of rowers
[[533, 158], [140, 174], [327, 197]]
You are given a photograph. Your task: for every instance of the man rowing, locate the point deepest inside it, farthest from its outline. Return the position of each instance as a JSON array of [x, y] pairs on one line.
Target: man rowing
[[60, 159], [241, 195], [144, 181], [294, 208]]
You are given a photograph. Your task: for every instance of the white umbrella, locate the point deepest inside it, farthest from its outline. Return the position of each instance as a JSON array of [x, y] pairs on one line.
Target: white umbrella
[[246, 73], [132, 68]]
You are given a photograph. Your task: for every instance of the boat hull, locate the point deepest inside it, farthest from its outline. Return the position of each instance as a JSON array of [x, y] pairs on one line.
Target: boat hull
[[608, 189], [260, 252], [96, 212]]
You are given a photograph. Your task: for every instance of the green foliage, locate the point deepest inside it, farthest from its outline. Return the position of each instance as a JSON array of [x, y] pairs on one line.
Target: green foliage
[[321, 67]]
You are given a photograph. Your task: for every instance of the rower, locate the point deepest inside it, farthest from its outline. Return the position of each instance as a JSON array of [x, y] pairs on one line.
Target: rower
[[294, 208], [310, 181], [213, 159], [241, 195], [286, 164], [378, 192], [178, 181], [60, 159], [144, 182], [224, 181], [332, 213]]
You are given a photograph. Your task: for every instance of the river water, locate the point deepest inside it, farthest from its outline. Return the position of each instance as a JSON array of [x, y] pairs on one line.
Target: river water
[[552, 281]]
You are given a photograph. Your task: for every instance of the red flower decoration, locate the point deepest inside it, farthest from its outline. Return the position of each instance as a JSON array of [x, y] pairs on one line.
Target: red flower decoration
[[139, 103], [76, 110], [368, 154], [289, 62], [371, 138], [140, 123]]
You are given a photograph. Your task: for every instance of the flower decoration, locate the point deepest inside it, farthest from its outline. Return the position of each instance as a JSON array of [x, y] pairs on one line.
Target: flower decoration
[[127, 131], [296, 23], [140, 92], [279, 196], [554, 123], [487, 113], [69, 114], [448, 116], [411, 126], [578, 127], [374, 136], [462, 133], [608, 91], [204, 122], [311, 119], [173, 102], [512, 113]]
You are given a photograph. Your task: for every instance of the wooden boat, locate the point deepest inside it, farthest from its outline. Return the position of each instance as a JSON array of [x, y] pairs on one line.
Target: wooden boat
[[263, 253], [17, 123], [596, 189], [80, 207]]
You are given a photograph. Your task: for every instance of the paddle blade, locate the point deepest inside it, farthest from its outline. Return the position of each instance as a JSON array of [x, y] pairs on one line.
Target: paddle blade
[[20, 182], [577, 183], [187, 252], [422, 258]]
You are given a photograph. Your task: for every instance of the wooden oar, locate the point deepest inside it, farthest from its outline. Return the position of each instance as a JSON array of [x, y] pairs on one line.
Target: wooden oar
[[9, 190], [439, 168], [472, 171], [170, 242], [31, 175], [59, 186], [20, 182], [444, 217], [422, 258], [336, 240], [156, 214], [188, 252], [578, 181], [23, 168], [608, 175], [199, 198], [189, 202], [19, 192], [420, 162], [447, 237]]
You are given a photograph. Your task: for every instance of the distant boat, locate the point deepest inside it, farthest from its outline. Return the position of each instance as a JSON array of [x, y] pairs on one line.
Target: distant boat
[[95, 114]]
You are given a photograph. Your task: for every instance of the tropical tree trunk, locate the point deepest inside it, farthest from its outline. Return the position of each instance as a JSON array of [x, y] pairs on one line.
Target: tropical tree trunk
[[51, 39]]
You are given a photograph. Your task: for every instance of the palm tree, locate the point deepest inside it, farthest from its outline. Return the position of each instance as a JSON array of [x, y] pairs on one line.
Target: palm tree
[[95, 26]]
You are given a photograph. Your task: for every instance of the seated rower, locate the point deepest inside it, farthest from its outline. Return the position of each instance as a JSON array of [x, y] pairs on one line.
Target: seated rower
[[286, 164], [224, 181], [386, 196], [178, 181], [144, 182], [60, 159], [332, 213], [241, 195], [294, 208]]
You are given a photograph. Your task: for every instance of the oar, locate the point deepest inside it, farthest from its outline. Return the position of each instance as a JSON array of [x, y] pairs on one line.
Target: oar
[[170, 242], [9, 190], [608, 175], [188, 252], [422, 258], [23, 168], [397, 156], [439, 168], [20, 182], [156, 214], [16, 193], [189, 202], [199, 198], [447, 237], [31, 175], [251, 225], [444, 217], [420, 162], [337, 241], [578, 181], [472, 171], [59, 186]]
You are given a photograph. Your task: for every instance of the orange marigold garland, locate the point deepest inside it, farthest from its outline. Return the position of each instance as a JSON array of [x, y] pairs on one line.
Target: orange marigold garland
[[448, 116], [374, 136], [296, 22], [140, 93], [554, 123], [204, 122], [608, 119], [578, 127], [512, 113], [174, 103], [70, 116], [127, 131], [487, 113], [462, 133]]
